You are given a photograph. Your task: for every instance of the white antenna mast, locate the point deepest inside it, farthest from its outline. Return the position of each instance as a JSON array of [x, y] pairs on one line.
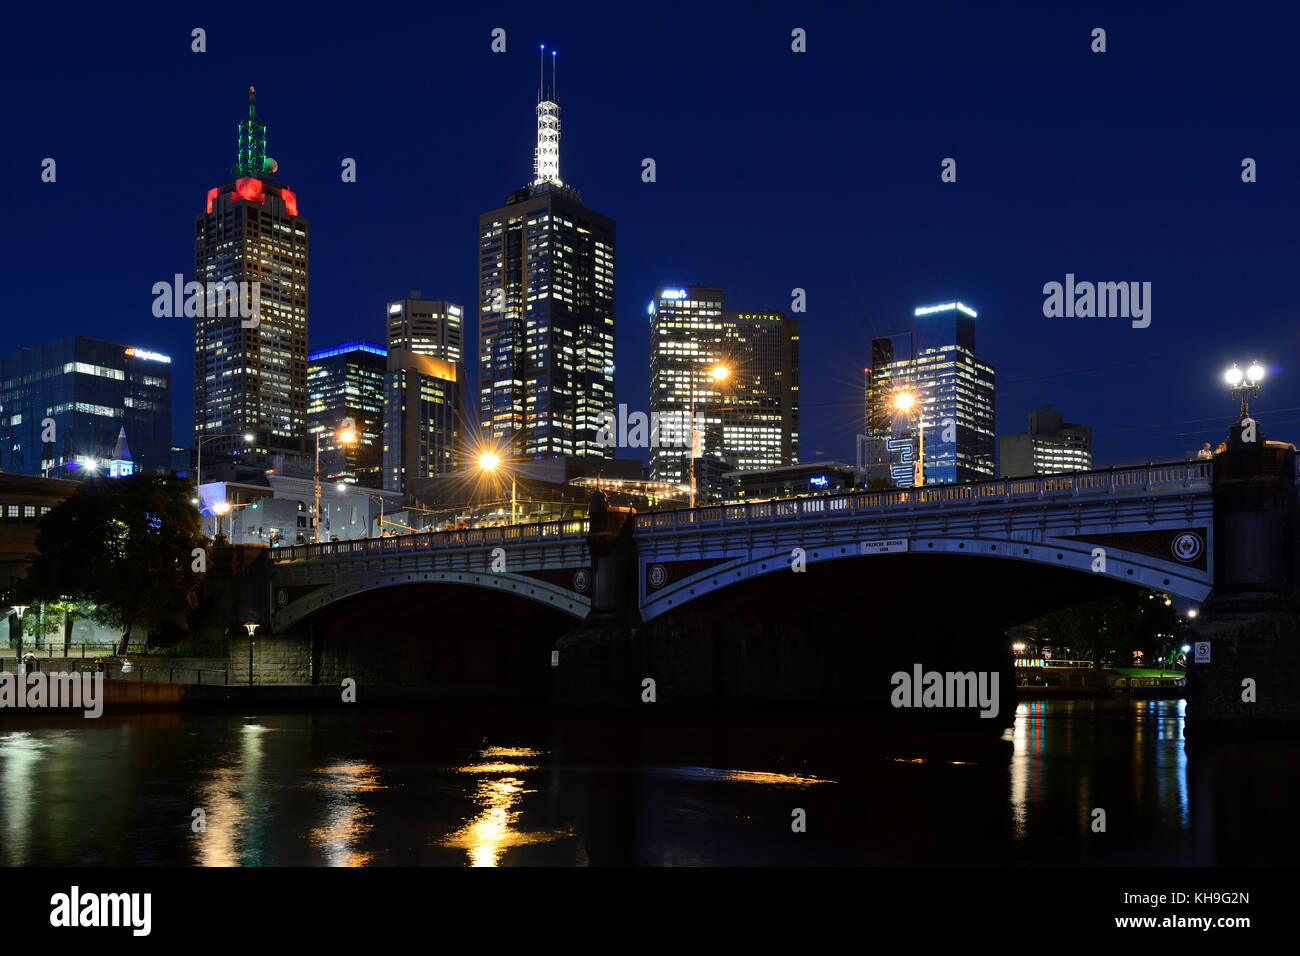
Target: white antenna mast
[[546, 160]]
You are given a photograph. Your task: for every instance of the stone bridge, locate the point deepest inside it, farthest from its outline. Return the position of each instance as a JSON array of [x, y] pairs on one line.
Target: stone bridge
[[1151, 526]]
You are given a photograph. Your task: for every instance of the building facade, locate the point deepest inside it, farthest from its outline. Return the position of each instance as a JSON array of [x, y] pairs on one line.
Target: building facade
[[423, 417], [64, 404], [747, 419], [951, 418], [1050, 446], [345, 384], [431, 327], [546, 314], [250, 328]]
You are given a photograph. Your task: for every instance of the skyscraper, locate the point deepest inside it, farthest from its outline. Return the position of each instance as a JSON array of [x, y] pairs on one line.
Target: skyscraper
[[760, 418], [686, 340], [749, 419], [1050, 446], [546, 313], [63, 405], [422, 417], [346, 383], [424, 388], [954, 390], [427, 327], [250, 373]]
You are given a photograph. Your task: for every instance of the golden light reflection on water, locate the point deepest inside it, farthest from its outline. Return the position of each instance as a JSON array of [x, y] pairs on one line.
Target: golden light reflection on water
[[229, 796], [348, 821], [488, 835]]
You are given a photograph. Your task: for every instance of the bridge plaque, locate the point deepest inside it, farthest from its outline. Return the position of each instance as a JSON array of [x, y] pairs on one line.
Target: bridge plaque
[[884, 546]]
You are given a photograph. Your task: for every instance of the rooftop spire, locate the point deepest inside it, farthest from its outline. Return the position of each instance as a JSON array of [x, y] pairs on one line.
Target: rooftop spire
[[250, 158], [546, 159]]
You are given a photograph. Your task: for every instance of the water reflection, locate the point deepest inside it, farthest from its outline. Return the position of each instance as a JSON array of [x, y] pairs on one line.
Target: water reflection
[[498, 793], [348, 820]]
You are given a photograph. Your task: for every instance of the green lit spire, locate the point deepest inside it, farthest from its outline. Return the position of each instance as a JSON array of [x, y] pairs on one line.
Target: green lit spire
[[251, 158]]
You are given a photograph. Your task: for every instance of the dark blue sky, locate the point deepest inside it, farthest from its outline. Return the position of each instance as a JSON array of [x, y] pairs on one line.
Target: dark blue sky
[[776, 170]]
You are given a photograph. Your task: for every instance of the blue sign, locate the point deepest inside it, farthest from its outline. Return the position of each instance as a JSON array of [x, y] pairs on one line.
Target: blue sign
[[821, 481]]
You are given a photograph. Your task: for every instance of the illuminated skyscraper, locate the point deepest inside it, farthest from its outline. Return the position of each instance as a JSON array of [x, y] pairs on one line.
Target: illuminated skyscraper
[[250, 370], [427, 327], [937, 364], [748, 420], [546, 313], [346, 383]]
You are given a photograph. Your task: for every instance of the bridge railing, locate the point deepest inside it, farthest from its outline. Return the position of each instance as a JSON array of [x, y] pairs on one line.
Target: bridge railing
[[1081, 484], [435, 540]]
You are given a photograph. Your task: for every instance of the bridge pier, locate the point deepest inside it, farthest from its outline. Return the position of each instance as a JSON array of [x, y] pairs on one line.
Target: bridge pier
[[1251, 684]]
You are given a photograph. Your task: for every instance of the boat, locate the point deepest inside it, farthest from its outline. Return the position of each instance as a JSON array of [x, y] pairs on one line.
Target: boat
[[1122, 684]]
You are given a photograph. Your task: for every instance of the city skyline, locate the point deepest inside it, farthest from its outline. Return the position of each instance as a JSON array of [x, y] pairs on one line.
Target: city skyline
[[940, 242]]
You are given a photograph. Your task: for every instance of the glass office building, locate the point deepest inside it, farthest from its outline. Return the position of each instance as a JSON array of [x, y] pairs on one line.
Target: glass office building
[[64, 405], [346, 383], [953, 390]]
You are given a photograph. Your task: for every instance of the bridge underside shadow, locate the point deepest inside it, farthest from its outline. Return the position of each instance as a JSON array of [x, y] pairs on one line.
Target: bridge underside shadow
[[833, 635], [460, 639]]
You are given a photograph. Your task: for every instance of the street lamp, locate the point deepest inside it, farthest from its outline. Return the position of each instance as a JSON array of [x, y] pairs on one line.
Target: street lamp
[[347, 435], [718, 374], [222, 508], [490, 461], [904, 402], [1242, 385], [251, 627], [198, 467]]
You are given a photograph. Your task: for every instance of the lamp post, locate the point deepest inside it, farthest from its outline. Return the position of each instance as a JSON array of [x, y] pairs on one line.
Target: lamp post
[[221, 508], [20, 610], [198, 467], [251, 627], [347, 436], [1240, 385], [490, 461], [904, 402], [718, 374]]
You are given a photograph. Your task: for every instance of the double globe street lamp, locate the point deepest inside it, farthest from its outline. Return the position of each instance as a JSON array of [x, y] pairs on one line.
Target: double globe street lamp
[[1244, 385]]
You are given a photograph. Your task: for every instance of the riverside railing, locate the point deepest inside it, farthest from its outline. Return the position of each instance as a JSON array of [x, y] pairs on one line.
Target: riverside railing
[[1111, 482], [1115, 482], [438, 540]]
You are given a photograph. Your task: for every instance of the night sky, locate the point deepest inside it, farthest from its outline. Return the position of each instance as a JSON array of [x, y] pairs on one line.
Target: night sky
[[775, 170]]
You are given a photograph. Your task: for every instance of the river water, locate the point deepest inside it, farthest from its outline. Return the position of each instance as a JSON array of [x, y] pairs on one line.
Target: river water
[[411, 787]]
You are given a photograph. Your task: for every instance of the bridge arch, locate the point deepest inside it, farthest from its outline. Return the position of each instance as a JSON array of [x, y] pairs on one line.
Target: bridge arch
[[520, 585]]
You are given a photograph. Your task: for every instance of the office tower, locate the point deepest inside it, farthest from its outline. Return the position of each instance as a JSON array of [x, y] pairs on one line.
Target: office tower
[[748, 419], [423, 407], [952, 388], [63, 406], [686, 341], [346, 384], [760, 414], [546, 313], [427, 327], [250, 256], [1049, 447]]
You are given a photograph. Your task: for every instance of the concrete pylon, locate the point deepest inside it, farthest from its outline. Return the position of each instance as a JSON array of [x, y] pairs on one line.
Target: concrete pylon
[[1250, 686]]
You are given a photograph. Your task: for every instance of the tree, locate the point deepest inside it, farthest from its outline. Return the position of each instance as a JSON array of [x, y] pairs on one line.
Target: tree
[[1112, 628], [125, 545]]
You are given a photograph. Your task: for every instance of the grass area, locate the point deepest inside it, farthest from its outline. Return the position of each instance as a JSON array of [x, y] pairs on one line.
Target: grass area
[[1147, 672]]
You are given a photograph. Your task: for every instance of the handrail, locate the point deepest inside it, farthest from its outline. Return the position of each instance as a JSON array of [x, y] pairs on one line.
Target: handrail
[[1109, 481]]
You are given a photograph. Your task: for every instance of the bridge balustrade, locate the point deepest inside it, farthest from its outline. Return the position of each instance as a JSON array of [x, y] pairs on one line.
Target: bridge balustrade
[[1111, 481]]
